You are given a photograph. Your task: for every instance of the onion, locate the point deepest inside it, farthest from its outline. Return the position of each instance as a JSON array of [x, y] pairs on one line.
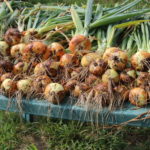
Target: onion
[[143, 79], [4, 48], [24, 86], [141, 60], [128, 75], [98, 67], [54, 93], [110, 75], [109, 51], [40, 83], [138, 96], [34, 49], [47, 67], [9, 86], [6, 66], [79, 89], [69, 59], [12, 36], [20, 67], [101, 88], [88, 58], [118, 60], [6, 76], [17, 50], [57, 50], [79, 42]]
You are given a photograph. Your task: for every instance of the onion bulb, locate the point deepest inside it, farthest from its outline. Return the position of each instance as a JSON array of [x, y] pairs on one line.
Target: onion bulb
[[91, 79], [140, 61], [88, 58], [128, 75], [9, 86], [98, 67], [79, 42], [110, 75], [118, 60], [4, 48], [54, 93], [57, 50], [12, 36], [34, 49], [24, 86], [69, 59], [20, 67], [40, 83], [109, 51], [70, 85], [6, 76], [17, 50], [138, 96]]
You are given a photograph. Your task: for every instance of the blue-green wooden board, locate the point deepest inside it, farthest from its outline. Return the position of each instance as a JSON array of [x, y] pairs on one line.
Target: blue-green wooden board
[[72, 112]]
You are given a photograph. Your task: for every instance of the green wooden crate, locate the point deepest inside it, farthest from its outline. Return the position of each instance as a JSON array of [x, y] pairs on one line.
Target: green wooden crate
[[71, 112]]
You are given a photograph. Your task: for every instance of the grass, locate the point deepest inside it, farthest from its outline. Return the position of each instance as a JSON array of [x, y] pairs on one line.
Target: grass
[[52, 134]]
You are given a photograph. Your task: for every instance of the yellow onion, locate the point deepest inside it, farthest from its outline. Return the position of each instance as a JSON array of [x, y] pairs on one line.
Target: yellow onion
[[118, 60], [79, 89], [140, 60], [17, 50], [6, 76], [47, 67], [69, 59], [4, 48], [143, 79], [110, 75], [24, 86], [88, 58], [57, 50], [101, 88], [138, 96], [91, 79], [54, 93], [40, 83], [12, 36], [98, 67], [34, 49], [20, 67], [79, 42], [109, 51], [9, 86], [128, 75]]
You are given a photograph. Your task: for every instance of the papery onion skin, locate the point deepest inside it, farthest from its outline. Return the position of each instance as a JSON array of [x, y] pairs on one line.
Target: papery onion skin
[[9, 86], [79, 42], [57, 50], [88, 58], [109, 51], [98, 67], [21, 67], [4, 48], [54, 93], [118, 60], [17, 50], [110, 75], [6, 66], [139, 59], [12, 36], [24, 85], [70, 85], [91, 79], [138, 97]]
